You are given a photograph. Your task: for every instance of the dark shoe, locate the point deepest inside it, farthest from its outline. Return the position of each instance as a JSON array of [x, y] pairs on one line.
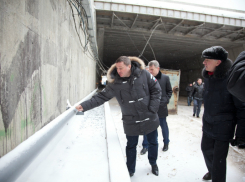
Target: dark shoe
[[154, 170], [193, 114], [131, 174], [207, 176], [143, 151], [197, 116], [165, 148]]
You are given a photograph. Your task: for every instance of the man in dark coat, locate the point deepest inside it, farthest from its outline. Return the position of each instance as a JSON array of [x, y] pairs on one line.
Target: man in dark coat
[[236, 79], [197, 94], [222, 112], [188, 90], [138, 94], [236, 86], [164, 82]]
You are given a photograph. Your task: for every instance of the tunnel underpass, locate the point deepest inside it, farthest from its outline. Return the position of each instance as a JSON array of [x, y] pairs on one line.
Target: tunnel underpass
[[177, 43], [50, 53]]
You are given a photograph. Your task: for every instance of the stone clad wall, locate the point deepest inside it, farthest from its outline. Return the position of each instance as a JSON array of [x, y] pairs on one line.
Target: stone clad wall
[[42, 64]]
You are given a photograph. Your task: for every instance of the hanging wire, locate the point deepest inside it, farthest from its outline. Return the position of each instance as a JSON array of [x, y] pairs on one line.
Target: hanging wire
[[129, 34], [149, 39], [84, 27], [151, 48]]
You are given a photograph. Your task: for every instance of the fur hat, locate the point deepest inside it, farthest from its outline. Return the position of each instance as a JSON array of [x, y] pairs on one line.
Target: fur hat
[[215, 52]]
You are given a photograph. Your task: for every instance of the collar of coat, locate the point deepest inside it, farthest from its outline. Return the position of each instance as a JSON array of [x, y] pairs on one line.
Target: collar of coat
[[136, 62], [159, 75], [220, 71]]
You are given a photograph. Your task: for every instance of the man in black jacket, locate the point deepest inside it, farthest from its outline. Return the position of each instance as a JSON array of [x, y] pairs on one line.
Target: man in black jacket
[[138, 94], [188, 90], [222, 112], [164, 82], [236, 79], [197, 94], [236, 86]]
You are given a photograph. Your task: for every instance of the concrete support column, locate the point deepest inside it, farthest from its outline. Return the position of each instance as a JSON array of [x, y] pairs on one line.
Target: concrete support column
[[100, 41]]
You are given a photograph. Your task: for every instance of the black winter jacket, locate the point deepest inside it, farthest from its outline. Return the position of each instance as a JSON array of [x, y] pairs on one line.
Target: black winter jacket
[[166, 94], [188, 90], [197, 91], [236, 79], [222, 111], [138, 97]]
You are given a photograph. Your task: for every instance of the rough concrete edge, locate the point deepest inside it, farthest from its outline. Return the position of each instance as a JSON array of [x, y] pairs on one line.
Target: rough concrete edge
[[115, 155], [14, 163]]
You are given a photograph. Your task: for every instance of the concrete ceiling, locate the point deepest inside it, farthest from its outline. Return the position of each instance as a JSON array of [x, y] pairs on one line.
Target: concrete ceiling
[[173, 40]]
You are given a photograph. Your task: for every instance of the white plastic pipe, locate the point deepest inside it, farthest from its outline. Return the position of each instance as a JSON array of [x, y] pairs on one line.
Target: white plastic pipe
[[13, 163]]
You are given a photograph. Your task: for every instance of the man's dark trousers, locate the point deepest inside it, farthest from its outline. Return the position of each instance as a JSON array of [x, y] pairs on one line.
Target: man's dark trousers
[[165, 133], [215, 154], [131, 153], [145, 143], [189, 100], [197, 106]]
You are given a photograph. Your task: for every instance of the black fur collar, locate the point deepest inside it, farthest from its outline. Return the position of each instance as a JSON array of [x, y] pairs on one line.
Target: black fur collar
[[159, 75], [220, 71]]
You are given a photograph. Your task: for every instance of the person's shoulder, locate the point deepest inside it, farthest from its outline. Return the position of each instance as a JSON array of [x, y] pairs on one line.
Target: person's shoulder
[[144, 72], [165, 76]]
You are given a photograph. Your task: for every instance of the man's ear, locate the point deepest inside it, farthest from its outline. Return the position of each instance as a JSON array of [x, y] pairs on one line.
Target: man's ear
[[129, 66], [218, 62]]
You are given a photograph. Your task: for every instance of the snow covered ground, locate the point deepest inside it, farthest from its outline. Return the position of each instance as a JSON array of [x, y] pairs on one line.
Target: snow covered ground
[[183, 162], [79, 152]]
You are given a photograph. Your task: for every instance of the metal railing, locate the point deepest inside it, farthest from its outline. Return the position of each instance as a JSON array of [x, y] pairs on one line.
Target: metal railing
[[17, 160]]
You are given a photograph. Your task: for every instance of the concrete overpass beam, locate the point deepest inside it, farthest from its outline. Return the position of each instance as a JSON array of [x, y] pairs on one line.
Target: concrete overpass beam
[[134, 21], [213, 31], [176, 26], [112, 19], [100, 41], [191, 30], [231, 33]]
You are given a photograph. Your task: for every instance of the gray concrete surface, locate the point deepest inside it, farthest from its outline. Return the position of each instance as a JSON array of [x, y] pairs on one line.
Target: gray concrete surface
[[184, 160], [42, 64]]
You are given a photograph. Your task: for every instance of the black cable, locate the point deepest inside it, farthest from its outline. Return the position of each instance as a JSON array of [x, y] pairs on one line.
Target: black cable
[[76, 26], [84, 28]]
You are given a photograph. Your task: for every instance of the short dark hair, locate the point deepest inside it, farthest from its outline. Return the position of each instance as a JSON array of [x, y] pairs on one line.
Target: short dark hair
[[124, 59], [198, 79]]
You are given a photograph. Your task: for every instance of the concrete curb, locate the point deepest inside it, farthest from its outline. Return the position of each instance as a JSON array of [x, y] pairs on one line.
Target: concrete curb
[[15, 162], [115, 155]]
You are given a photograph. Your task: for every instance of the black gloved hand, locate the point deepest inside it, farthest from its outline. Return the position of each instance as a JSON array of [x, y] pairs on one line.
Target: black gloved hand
[[237, 141]]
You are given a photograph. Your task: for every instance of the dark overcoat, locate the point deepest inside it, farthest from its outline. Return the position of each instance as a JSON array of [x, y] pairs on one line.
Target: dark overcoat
[[222, 111], [138, 96], [236, 79], [166, 94]]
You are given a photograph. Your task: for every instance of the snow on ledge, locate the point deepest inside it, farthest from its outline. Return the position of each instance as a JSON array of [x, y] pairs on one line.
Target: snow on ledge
[[117, 163], [14, 163]]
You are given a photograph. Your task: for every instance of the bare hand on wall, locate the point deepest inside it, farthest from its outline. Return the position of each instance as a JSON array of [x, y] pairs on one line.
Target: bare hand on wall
[[79, 108]]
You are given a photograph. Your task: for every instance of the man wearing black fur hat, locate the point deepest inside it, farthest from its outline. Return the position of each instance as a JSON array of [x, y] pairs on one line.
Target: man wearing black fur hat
[[138, 94], [222, 112]]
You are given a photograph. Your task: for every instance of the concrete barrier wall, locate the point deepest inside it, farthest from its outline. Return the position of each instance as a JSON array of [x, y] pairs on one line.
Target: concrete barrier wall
[[42, 64]]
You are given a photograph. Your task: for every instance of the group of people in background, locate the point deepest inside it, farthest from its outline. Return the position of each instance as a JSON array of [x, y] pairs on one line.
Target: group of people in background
[[143, 98], [195, 94]]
